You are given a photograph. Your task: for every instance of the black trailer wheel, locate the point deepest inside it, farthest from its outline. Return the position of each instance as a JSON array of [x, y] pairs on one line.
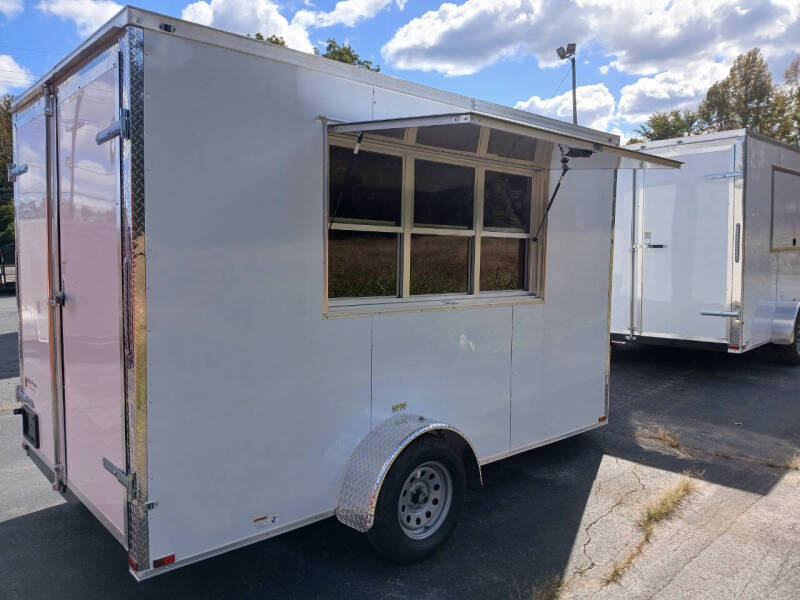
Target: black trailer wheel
[[420, 501], [790, 353]]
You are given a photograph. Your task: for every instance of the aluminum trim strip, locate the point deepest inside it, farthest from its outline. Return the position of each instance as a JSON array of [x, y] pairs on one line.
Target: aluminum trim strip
[[509, 125], [133, 291]]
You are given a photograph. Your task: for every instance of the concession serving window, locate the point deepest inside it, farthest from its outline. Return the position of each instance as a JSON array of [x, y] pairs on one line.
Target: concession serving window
[[447, 207]]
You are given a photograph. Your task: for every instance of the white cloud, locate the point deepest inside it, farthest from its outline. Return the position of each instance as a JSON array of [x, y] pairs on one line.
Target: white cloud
[[253, 16], [465, 38], [13, 75], [595, 106], [345, 12], [401, 4], [10, 8], [670, 90], [644, 37], [88, 15]]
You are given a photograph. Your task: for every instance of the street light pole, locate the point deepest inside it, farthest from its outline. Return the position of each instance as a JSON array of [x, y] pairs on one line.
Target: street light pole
[[574, 95], [569, 53]]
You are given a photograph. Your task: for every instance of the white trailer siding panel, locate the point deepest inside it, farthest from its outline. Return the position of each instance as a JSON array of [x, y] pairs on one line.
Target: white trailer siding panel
[[452, 366], [560, 347], [234, 268]]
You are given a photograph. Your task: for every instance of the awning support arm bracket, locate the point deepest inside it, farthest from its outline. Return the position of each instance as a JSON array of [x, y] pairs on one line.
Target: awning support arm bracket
[[564, 169]]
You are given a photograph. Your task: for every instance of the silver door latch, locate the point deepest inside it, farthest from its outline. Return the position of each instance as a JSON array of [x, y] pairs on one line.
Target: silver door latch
[[128, 480], [57, 298], [722, 313], [120, 127]]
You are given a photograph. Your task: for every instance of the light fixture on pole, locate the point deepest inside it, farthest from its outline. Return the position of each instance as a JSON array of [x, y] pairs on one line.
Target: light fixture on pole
[[570, 54]]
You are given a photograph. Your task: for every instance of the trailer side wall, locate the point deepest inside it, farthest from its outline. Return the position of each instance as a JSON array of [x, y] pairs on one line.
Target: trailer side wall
[[768, 275], [255, 399]]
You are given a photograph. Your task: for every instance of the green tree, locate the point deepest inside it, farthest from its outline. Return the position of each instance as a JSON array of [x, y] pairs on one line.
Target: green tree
[[745, 98], [789, 96], [6, 147], [272, 39], [346, 54], [665, 125]]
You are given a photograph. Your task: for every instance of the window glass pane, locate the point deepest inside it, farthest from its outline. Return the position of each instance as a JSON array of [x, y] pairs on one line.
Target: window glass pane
[[373, 191], [503, 263], [443, 194], [361, 263], [455, 137], [439, 264], [507, 202], [511, 145]]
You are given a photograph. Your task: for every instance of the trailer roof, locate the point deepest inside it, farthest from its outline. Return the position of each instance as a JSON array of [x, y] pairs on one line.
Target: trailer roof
[[130, 16], [581, 150], [716, 136]]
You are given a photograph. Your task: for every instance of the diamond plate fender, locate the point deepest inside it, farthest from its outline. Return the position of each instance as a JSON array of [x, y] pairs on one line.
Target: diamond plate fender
[[783, 322], [370, 462]]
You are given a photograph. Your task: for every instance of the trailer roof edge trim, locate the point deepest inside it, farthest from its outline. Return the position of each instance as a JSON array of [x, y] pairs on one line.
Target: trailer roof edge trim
[[629, 159]]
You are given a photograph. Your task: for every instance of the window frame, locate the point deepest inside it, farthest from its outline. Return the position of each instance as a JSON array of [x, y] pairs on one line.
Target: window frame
[[409, 151], [772, 245]]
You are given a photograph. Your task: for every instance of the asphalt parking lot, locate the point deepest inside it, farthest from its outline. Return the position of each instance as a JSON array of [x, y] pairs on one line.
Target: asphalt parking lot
[[550, 522]]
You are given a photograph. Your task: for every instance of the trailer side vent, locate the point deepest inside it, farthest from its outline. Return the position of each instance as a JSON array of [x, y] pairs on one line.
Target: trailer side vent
[[166, 27]]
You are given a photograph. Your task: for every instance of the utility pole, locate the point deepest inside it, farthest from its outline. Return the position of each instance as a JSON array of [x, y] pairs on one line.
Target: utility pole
[[570, 54]]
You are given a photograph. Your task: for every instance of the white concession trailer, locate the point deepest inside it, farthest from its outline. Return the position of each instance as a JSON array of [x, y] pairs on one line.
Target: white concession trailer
[[708, 256], [259, 288]]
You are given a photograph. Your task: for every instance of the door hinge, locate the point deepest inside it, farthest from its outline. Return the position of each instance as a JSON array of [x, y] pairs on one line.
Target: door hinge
[[120, 127], [126, 479], [50, 105], [15, 171], [57, 298]]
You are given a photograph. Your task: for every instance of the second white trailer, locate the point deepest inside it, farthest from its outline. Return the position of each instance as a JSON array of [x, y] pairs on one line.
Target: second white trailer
[[709, 255]]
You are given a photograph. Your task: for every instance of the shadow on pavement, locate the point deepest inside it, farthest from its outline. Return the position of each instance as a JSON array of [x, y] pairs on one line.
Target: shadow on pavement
[[521, 525], [733, 415], [9, 356]]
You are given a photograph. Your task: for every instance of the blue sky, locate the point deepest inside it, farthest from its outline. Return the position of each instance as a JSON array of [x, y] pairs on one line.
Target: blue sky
[[633, 58]]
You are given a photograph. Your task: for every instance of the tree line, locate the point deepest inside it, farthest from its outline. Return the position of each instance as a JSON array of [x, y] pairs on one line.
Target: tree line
[[747, 98]]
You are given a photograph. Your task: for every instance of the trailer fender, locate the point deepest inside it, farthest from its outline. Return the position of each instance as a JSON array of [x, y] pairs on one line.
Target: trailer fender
[[370, 462], [783, 322]]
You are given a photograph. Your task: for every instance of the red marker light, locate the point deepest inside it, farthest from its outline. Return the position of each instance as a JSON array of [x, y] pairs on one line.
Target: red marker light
[[132, 564], [166, 560]]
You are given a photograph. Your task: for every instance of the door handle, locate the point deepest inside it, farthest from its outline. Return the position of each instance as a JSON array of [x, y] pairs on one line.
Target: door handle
[[649, 245]]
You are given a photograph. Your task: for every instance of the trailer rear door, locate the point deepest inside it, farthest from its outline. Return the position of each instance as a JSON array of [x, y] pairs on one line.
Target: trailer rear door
[[90, 239], [30, 138], [687, 231]]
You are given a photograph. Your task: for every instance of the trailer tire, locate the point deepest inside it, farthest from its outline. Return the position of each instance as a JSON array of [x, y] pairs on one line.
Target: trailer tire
[[790, 353], [420, 501]]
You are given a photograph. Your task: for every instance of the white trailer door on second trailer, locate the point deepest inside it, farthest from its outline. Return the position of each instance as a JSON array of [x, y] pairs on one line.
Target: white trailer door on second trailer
[[92, 313], [686, 228]]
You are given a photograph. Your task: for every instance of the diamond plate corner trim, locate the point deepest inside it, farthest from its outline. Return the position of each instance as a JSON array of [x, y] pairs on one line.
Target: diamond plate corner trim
[[133, 291], [370, 462]]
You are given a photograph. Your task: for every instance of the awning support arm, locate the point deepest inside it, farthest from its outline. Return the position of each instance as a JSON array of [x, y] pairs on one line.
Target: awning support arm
[[564, 169], [346, 183]]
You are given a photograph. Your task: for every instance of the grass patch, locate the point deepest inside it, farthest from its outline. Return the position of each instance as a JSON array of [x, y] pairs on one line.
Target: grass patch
[[791, 464], [666, 437], [547, 589], [654, 513]]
